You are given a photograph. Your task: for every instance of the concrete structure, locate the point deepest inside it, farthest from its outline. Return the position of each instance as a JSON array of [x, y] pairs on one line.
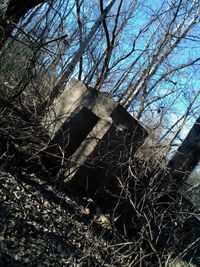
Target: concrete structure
[[92, 136]]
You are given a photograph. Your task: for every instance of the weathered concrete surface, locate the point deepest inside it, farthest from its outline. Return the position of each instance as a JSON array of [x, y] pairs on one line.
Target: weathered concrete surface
[[92, 135], [74, 97], [86, 148], [66, 140]]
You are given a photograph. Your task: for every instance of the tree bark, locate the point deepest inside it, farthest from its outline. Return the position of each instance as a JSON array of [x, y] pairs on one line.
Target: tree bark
[[11, 11], [185, 159], [79, 53]]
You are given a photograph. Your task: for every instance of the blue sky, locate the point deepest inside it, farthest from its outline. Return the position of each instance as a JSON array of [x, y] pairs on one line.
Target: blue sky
[[187, 79]]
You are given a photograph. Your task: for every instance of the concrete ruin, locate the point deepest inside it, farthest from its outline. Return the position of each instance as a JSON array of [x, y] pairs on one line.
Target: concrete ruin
[[92, 138]]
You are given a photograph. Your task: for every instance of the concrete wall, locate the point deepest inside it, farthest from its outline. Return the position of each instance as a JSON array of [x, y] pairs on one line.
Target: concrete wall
[[93, 135]]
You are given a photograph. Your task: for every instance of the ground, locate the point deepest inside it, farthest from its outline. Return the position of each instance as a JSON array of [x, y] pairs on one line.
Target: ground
[[40, 226]]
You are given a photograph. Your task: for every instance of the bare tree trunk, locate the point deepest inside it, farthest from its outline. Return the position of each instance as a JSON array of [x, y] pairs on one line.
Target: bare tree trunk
[[185, 159], [79, 53], [11, 11]]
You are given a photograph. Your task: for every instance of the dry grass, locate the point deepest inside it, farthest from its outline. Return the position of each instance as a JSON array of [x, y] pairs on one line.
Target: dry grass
[[42, 224]]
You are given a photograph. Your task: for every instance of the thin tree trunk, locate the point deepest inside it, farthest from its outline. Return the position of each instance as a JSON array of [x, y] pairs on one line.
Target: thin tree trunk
[[79, 53], [185, 159]]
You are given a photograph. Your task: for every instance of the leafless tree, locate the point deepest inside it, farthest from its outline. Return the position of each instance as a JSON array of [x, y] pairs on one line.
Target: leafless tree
[[132, 51], [79, 53]]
